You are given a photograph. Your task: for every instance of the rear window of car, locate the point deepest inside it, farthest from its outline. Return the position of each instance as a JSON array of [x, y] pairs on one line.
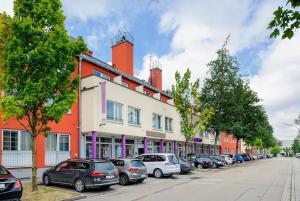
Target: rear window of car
[[104, 166], [118, 162], [137, 163], [3, 171], [172, 158]]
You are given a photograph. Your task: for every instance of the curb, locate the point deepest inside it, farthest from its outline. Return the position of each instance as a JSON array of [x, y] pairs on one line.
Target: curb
[[76, 198]]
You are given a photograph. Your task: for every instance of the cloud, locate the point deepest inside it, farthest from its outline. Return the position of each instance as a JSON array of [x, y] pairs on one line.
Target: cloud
[[277, 83], [7, 6]]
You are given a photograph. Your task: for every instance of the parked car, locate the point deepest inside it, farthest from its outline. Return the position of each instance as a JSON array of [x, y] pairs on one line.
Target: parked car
[[10, 187], [219, 158], [130, 170], [215, 163], [239, 158], [186, 166], [203, 162], [82, 174], [297, 155], [160, 164], [246, 157], [227, 159]]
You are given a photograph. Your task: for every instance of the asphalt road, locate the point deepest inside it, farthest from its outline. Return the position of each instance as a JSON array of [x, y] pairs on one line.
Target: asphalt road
[[276, 179]]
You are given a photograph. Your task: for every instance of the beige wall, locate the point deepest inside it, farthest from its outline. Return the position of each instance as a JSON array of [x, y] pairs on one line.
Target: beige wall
[[92, 117]]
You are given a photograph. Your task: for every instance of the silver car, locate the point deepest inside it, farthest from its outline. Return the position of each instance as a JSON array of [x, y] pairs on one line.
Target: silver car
[[130, 170]]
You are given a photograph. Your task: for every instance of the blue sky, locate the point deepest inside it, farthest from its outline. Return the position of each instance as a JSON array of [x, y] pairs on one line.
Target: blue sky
[[186, 34]]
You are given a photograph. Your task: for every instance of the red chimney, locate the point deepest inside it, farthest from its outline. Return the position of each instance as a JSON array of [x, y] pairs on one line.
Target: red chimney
[[122, 52], [155, 78]]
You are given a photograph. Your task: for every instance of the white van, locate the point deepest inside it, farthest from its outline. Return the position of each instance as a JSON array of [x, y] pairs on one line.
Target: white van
[[160, 164]]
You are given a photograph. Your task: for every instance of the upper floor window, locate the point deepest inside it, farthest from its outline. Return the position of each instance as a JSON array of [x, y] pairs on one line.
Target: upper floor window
[[114, 111], [57, 142], [168, 124], [134, 116], [156, 121], [102, 75]]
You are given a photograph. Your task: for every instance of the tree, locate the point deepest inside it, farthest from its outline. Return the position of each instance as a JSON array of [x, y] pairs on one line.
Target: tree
[[296, 146], [259, 143], [38, 61], [275, 150], [286, 20], [218, 89], [194, 114]]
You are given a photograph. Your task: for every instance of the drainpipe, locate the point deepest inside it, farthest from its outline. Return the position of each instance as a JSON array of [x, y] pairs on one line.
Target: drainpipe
[[80, 148]]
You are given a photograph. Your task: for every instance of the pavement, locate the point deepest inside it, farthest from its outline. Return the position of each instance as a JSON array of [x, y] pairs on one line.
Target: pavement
[[276, 179]]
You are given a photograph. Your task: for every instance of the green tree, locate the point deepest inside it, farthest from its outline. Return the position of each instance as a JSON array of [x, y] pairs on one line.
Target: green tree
[[286, 20], [218, 89], [296, 146], [194, 114], [259, 143], [38, 61], [275, 150]]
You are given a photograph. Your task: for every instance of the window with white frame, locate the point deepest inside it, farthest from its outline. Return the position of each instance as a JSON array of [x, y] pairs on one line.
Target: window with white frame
[[14, 140], [114, 111], [168, 124], [102, 75], [156, 121], [58, 142], [134, 116]]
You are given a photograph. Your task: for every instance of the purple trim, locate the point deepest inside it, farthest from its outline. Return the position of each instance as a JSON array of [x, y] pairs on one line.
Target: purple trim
[[94, 144], [103, 98], [145, 145], [175, 147], [197, 139], [161, 147], [123, 144]]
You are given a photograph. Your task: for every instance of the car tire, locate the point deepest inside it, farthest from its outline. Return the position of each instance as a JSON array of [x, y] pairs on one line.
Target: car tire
[[46, 180], [201, 165], [214, 166], [157, 173], [79, 185], [124, 179]]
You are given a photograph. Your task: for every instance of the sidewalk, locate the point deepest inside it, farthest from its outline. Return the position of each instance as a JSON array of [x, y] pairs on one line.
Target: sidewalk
[[295, 180]]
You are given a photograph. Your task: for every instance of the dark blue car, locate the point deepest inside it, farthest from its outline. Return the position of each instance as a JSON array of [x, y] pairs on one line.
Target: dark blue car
[[239, 158]]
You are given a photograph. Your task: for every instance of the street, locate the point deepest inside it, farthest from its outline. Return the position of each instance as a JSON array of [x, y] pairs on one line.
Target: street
[[263, 180]]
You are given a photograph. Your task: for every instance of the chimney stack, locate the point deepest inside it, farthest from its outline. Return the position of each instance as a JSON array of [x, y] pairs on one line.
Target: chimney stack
[[155, 78], [122, 52]]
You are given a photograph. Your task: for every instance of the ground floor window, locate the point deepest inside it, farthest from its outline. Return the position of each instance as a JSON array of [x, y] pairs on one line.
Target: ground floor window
[[14, 140], [129, 148], [58, 142], [105, 147], [169, 147]]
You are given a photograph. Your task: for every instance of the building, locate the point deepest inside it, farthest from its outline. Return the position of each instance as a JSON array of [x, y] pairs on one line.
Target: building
[[116, 115], [228, 144]]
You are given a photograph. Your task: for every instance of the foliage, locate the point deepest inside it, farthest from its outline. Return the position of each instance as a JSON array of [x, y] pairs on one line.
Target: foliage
[[38, 61], [194, 114], [259, 143], [218, 89], [286, 20], [275, 150], [296, 146]]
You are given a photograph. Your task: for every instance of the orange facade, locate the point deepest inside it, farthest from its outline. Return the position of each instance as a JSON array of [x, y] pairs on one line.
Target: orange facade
[[122, 57], [228, 144]]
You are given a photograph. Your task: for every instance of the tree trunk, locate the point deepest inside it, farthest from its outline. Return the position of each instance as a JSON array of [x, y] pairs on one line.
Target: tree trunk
[[237, 146], [34, 168]]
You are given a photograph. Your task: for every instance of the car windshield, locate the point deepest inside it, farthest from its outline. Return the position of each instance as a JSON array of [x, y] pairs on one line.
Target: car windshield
[[137, 163], [173, 159], [104, 166], [3, 171]]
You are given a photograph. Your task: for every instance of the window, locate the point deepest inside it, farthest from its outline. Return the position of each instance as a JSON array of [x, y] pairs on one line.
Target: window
[[156, 121], [102, 75], [125, 84], [10, 140], [58, 142], [114, 111], [63, 142], [25, 141], [134, 116], [168, 124]]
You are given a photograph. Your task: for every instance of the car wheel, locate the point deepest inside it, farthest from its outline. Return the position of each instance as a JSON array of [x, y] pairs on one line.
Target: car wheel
[[214, 165], [79, 185], [124, 180], [157, 173], [46, 180]]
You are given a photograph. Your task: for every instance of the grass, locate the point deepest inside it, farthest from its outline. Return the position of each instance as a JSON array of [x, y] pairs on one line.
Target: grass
[[46, 193]]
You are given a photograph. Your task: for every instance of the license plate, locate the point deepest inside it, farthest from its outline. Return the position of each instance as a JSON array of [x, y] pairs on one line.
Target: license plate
[[110, 177], [143, 175], [2, 186]]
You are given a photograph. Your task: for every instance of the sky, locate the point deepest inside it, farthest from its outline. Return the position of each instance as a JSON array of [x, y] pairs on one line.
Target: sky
[[187, 34]]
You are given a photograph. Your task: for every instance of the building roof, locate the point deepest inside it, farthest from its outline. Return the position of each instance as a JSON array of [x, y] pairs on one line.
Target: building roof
[[110, 68]]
